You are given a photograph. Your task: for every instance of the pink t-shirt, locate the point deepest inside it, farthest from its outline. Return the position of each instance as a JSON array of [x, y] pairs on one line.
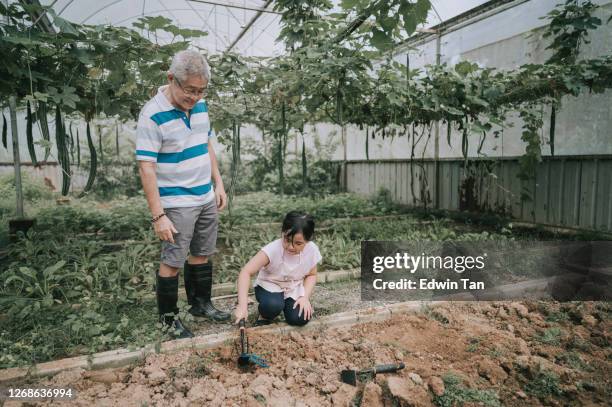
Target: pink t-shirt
[[286, 272]]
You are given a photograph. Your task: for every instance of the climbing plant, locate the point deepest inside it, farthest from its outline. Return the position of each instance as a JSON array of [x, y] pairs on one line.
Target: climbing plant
[[339, 67], [81, 70]]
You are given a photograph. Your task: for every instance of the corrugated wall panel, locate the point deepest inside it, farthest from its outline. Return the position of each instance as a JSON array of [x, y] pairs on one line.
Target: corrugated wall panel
[[456, 178], [372, 179], [588, 190], [444, 185], [555, 192], [571, 193], [514, 186], [500, 190], [504, 201], [603, 214], [404, 183], [352, 179], [431, 184], [528, 205], [390, 180], [541, 192], [565, 192]]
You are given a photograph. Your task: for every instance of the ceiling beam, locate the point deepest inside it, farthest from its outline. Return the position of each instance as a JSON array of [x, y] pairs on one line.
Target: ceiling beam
[[261, 10], [249, 25], [40, 18]]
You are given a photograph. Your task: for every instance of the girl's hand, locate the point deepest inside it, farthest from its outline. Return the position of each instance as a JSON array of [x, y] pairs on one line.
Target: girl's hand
[[304, 304], [241, 312]]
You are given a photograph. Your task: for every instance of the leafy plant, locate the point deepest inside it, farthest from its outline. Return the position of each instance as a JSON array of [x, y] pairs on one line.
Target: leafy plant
[[550, 336], [456, 394], [545, 384], [569, 28]]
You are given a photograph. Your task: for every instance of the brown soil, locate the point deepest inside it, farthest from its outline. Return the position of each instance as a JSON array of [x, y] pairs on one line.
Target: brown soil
[[524, 354]]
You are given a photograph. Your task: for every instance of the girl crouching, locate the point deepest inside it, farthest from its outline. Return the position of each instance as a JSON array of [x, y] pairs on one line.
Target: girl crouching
[[287, 276]]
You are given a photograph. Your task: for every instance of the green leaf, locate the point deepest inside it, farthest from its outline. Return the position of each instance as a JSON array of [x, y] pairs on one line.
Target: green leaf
[[64, 25], [349, 4], [28, 272], [187, 33], [66, 97], [388, 23], [465, 68], [54, 268], [421, 10], [20, 40], [15, 277], [47, 301], [453, 110], [43, 143], [25, 311], [410, 23], [380, 40], [153, 23]]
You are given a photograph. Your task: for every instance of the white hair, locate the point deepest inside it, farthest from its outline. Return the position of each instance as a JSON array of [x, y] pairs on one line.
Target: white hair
[[189, 63]]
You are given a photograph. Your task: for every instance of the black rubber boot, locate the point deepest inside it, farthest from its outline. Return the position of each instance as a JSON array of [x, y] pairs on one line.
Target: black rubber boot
[[167, 296], [189, 286], [200, 277]]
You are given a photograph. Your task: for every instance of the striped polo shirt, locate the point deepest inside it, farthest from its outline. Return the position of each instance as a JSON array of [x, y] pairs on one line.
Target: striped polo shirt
[[179, 146]]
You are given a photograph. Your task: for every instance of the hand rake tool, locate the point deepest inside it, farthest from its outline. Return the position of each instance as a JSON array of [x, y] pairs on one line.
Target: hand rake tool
[[246, 359]]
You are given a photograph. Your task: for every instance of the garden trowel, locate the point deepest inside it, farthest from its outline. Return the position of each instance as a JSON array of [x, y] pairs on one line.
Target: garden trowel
[[352, 376]]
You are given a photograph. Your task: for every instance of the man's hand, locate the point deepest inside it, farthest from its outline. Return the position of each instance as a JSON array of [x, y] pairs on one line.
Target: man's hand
[[164, 229], [221, 197], [305, 307]]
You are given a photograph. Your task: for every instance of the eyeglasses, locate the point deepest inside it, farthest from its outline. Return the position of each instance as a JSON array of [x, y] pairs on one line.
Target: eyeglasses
[[190, 92]]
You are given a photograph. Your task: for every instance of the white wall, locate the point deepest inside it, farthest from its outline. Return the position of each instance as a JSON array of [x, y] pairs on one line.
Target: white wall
[[503, 41]]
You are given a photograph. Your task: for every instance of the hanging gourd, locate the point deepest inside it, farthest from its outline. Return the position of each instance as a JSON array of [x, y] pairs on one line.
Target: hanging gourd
[[44, 127], [93, 161], [62, 150], [29, 136], [4, 130]]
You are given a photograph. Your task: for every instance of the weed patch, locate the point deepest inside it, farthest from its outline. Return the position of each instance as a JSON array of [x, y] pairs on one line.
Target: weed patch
[[456, 394]]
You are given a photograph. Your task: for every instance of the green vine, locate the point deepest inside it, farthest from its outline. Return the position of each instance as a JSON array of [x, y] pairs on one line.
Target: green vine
[[327, 75]]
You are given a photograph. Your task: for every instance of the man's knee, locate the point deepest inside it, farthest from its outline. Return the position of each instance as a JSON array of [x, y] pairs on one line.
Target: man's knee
[[167, 271], [197, 259]]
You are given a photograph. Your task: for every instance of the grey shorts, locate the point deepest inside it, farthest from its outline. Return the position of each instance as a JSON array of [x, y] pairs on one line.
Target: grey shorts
[[197, 233]]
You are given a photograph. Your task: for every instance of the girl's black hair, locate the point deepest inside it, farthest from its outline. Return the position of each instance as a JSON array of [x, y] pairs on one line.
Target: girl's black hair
[[298, 222]]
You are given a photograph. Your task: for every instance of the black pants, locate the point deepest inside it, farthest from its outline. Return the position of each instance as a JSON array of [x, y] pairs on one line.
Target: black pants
[[271, 305]]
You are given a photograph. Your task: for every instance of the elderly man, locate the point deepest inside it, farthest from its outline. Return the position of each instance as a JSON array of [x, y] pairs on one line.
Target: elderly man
[[183, 188]]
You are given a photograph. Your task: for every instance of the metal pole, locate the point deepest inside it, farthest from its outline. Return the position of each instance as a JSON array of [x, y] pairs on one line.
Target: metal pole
[[345, 157], [262, 9], [344, 143], [16, 161], [407, 65], [437, 131]]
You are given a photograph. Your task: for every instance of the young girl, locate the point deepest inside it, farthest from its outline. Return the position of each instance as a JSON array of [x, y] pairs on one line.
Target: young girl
[[287, 270]]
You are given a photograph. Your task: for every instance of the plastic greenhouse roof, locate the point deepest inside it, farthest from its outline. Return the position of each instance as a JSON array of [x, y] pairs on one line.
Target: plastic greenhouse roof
[[223, 20]]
